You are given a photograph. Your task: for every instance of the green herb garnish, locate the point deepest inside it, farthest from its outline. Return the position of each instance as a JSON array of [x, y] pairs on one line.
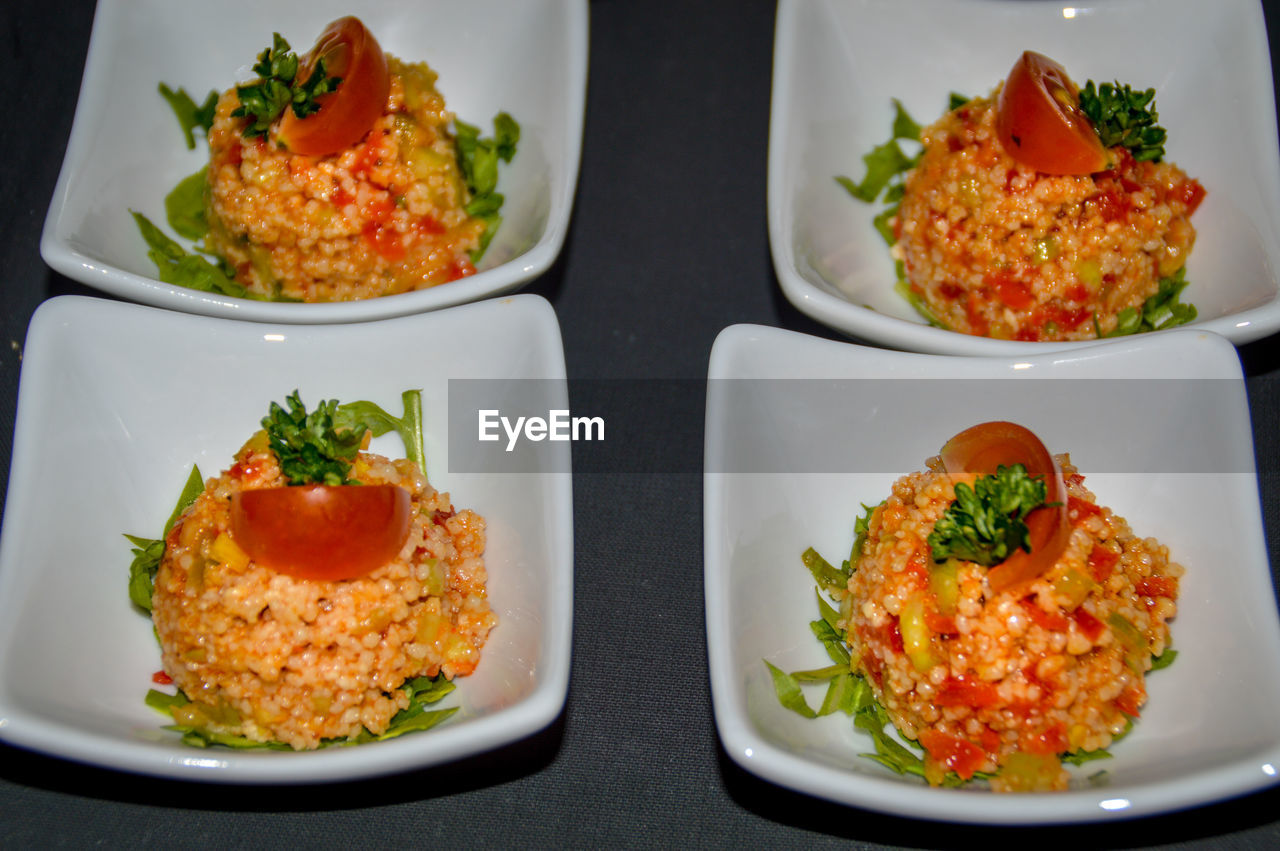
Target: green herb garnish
[[366, 415], [422, 691], [184, 206], [277, 89], [147, 552], [478, 161], [320, 446], [1162, 310], [1124, 117], [189, 115], [847, 692], [176, 266], [311, 450], [985, 523], [886, 166]]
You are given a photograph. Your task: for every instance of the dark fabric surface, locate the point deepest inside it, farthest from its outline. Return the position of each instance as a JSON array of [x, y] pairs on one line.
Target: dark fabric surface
[[667, 247]]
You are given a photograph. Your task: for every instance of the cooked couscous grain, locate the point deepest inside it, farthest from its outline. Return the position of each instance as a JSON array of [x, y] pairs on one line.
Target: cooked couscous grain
[[271, 657]]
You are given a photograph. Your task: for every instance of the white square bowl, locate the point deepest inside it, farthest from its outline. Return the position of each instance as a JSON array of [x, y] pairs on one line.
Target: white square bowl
[[838, 64], [801, 432], [116, 402], [528, 57]]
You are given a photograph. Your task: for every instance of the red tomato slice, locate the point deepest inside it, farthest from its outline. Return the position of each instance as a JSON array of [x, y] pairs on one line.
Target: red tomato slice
[[1039, 121], [326, 532], [979, 451], [351, 52]]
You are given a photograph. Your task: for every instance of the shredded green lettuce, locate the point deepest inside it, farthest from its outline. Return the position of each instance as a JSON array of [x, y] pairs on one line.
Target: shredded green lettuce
[[1164, 309]]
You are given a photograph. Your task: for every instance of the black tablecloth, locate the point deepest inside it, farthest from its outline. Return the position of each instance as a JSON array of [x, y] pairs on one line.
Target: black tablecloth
[[668, 245]]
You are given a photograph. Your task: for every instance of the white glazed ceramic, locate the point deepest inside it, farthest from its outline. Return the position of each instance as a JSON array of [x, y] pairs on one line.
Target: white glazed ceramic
[[116, 402], [838, 64], [801, 432], [126, 152]]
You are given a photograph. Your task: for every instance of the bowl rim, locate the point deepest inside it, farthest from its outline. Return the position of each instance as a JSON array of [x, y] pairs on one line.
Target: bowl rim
[[865, 324]]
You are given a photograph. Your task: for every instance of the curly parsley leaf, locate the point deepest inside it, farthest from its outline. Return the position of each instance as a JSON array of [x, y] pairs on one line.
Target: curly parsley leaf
[[278, 89], [189, 115], [1125, 117], [310, 446], [985, 523], [478, 159], [1162, 310]]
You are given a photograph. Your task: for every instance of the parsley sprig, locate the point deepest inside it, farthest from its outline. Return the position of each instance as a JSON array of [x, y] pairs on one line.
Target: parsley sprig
[[320, 446], [278, 89], [986, 522], [308, 445], [1125, 117]]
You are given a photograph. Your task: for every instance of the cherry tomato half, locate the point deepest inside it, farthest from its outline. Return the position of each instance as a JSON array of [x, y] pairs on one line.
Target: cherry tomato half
[[980, 450], [351, 52], [327, 532], [1039, 121]]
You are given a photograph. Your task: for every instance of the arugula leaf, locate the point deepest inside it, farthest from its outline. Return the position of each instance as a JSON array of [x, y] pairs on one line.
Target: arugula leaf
[[478, 160], [832, 639], [1124, 117], [824, 573], [147, 552], [886, 166], [917, 301], [422, 691], [175, 266], [985, 523], [1163, 309], [1164, 660], [189, 115], [788, 691], [1081, 757], [277, 89], [361, 416], [184, 206], [861, 528], [310, 446]]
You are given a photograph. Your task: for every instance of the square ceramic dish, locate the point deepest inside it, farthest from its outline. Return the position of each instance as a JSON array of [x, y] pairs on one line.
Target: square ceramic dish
[[838, 64], [126, 152], [116, 402], [802, 432]]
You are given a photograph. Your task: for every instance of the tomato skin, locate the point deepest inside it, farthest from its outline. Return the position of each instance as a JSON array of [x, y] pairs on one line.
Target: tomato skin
[[344, 116], [321, 532], [980, 450], [962, 757], [1040, 124]]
